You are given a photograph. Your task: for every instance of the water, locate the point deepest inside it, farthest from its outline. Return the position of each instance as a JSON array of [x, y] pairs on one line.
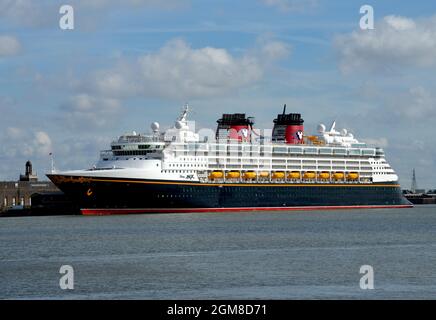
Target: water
[[260, 255]]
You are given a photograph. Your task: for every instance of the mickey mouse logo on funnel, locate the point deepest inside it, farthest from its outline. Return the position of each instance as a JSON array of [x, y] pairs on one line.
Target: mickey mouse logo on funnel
[[299, 135], [243, 132]]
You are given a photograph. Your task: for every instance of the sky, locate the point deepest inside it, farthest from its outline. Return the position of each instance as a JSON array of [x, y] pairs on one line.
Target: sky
[[124, 66]]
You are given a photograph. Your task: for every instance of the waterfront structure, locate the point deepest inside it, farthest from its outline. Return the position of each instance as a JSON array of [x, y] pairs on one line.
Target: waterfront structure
[[19, 193], [240, 169]]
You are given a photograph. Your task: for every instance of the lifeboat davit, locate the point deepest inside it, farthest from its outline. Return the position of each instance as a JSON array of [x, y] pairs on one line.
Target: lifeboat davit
[[294, 175]]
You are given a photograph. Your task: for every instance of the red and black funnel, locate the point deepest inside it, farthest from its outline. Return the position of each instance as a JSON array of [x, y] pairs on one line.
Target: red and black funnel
[[288, 128], [235, 126]]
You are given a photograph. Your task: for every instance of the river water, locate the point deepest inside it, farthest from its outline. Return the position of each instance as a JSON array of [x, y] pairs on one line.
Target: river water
[[256, 255]]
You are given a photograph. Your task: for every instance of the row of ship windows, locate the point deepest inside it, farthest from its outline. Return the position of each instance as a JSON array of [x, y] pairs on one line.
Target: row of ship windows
[[107, 159], [275, 160], [264, 154], [177, 171], [270, 149], [311, 190], [185, 165], [307, 195]]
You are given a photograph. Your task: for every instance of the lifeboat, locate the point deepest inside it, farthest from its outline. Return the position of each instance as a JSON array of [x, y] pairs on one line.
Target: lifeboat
[[278, 175], [324, 176], [249, 175], [353, 176], [233, 175], [294, 175], [216, 175], [309, 175], [264, 174], [338, 175]]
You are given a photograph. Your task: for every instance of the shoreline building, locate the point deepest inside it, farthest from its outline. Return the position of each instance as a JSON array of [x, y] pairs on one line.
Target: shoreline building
[[19, 193]]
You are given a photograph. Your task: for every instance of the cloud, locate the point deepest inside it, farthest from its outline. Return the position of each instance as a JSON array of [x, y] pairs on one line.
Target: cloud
[[291, 5], [9, 46], [46, 13], [395, 43], [167, 4], [42, 143], [274, 50], [179, 71], [417, 103], [25, 12], [21, 142], [84, 110]]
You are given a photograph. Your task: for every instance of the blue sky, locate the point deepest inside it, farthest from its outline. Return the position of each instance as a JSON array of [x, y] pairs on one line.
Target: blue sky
[[125, 66]]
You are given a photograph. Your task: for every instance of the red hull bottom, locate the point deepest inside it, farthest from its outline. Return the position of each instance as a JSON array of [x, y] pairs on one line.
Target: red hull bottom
[[103, 212]]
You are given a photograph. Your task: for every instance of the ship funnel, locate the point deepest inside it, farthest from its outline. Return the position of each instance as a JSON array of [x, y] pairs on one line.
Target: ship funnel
[[234, 126], [288, 128]]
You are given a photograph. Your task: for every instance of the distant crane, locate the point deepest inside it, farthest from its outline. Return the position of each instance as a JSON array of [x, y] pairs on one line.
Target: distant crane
[[414, 184]]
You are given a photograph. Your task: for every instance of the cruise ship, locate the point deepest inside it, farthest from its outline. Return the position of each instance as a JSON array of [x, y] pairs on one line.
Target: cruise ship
[[234, 168]]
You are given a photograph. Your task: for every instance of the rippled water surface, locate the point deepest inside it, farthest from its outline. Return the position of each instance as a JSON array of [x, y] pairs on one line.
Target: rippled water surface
[[267, 255]]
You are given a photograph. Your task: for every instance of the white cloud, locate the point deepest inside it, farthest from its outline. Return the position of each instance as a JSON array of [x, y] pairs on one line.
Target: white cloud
[[9, 46], [274, 50], [46, 13], [167, 4], [179, 71], [14, 132], [416, 103], [42, 143], [21, 142], [291, 5], [86, 110], [25, 12], [397, 42]]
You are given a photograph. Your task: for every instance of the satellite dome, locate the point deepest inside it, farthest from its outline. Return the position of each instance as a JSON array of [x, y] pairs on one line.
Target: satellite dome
[[155, 126], [179, 125], [344, 132]]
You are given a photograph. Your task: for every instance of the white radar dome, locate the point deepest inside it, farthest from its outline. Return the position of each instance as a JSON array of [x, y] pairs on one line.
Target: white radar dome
[[155, 126], [179, 125], [344, 132]]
